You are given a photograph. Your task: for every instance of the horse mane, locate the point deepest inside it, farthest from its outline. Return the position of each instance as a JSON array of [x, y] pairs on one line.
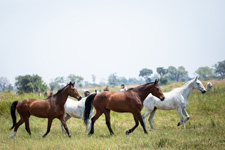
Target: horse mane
[[141, 86], [187, 83], [59, 91]]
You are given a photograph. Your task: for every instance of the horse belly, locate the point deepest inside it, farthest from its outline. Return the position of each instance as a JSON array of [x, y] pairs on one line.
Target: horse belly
[[39, 109], [121, 107], [76, 112], [164, 105]]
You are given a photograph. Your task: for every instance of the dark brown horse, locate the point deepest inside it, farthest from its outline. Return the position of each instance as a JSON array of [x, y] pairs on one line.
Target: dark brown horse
[[129, 101], [51, 107]]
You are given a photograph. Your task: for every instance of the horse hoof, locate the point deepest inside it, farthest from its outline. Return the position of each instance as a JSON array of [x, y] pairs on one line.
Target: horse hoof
[[127, 132], [90, 134], [178, 124]]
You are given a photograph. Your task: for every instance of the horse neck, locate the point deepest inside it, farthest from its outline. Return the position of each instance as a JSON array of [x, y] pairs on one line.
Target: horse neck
[[187, 89], [144, 90], [61, 97]]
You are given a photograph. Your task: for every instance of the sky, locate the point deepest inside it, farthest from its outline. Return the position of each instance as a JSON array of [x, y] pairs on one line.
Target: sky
[[55, 38]]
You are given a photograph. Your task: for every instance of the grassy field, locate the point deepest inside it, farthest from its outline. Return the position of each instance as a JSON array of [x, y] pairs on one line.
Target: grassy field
[[204, 130]]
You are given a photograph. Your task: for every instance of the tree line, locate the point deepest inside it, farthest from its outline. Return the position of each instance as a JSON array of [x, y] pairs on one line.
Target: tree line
[[35, 84]]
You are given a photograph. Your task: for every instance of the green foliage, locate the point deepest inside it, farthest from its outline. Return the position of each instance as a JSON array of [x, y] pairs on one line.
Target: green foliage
[[29, 84], [163, 80], [220, 69], [112, 79], [77, 79], [177, 74], [204, 72], [162, 71], [145, 73]]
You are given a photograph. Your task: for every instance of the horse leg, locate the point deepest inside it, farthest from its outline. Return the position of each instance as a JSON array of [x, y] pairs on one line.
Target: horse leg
[[181, 117], [93, 119], [186, 114], [142, 123], [21, 121], [107, 118], [136, 124], [27, 127], [88, 124], [62, 119], [151, 118], [48, 127], [66, 118], [145, 115]]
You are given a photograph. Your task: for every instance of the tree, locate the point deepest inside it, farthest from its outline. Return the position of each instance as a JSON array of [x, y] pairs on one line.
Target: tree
[[181, 72], [172, 71], [54, 85], [220, 69], [204, 72], [177, 74], [60, 81], [123, 80], [161, 71], [145, 73], [77, 79], [93, 78], [133, 81], [4, 82], [30, 84], [112, 79]]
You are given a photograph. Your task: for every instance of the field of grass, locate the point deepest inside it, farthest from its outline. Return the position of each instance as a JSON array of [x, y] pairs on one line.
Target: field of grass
[[204, 130]]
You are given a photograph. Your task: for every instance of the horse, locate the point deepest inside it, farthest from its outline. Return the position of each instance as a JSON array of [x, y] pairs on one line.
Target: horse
[[76, 109], [209, 86], [51, 108], [129, 101], [175, 99], [86, 92]]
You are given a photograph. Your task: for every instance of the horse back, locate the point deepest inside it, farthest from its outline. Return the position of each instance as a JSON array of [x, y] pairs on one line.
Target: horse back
[[36, 107], [117, 101]]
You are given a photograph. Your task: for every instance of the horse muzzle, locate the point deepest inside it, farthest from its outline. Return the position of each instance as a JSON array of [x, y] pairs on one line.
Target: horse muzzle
[[203, 92], [79, 98], [162, 98]]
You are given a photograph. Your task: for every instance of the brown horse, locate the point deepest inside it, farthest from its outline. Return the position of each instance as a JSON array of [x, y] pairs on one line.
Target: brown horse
[[51, 107], [129, 101]]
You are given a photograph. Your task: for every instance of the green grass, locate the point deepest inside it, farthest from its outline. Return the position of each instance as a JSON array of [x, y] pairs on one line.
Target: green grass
[[204, 130]]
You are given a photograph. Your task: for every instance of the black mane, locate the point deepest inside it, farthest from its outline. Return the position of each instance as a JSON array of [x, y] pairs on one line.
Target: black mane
[[145, 84], [59, 91]]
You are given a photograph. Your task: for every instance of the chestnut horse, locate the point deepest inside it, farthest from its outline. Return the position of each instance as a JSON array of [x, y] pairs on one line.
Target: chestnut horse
[[51, 107], [128, 101]]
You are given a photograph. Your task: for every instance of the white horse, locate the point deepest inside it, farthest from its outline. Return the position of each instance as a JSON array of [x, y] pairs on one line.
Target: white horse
[[209, 86], [76, 109], [175, 99]]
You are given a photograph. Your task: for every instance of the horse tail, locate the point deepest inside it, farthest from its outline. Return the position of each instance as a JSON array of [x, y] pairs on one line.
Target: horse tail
[[88, 107], [13, 113]]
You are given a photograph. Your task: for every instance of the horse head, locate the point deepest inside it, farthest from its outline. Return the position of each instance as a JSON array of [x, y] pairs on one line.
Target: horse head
[[156, 91], [198, 85], [73, 91]]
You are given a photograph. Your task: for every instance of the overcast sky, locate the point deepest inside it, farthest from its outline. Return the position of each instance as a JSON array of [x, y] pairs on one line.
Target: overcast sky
[[54, 38]]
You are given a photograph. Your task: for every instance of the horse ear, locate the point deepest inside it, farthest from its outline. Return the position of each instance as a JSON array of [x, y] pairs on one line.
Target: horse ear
[[156, 81], [196, 78], [73, 83]]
